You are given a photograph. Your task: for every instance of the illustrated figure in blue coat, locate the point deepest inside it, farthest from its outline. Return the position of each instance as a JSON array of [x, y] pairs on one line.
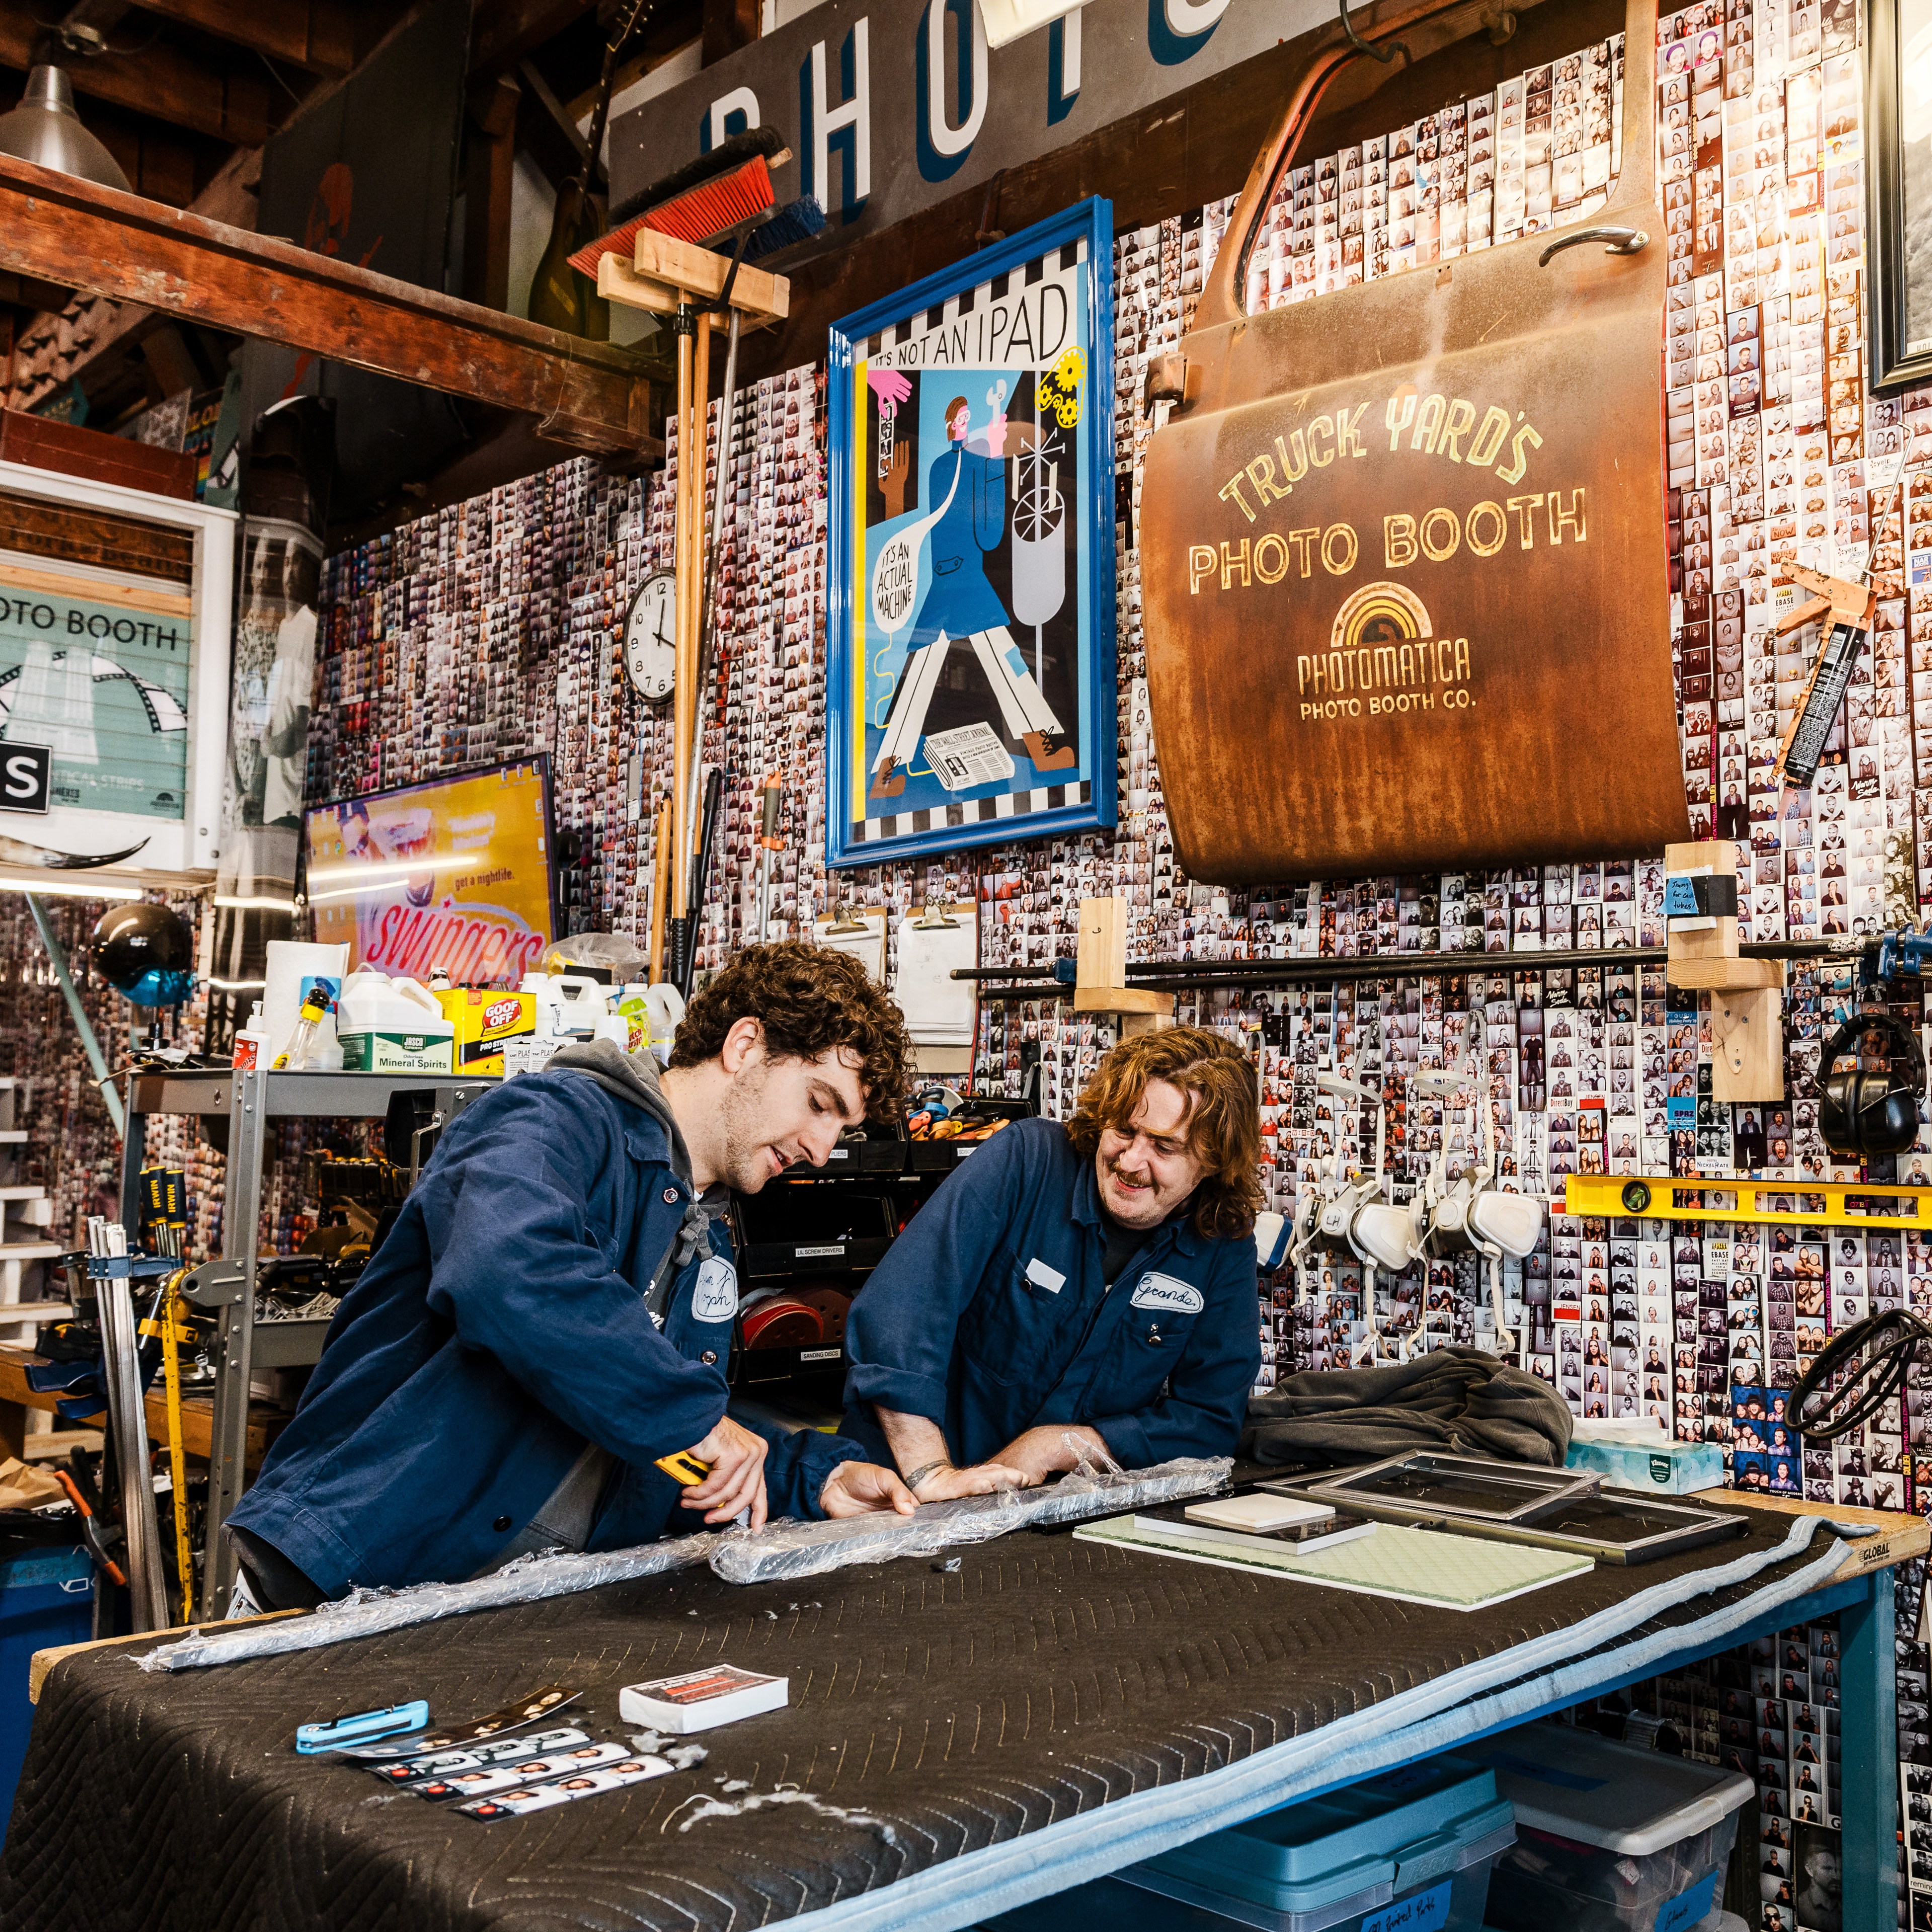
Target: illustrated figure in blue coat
[[552, 1312], [1075, 1291], [968, 480]]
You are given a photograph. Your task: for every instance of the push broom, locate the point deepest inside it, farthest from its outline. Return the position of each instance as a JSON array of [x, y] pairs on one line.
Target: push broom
[[724, 197]]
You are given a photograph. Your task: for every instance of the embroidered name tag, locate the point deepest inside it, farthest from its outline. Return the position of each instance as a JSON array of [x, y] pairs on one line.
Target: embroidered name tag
[[715, 1297], [1163, 1291], [1041, 1276]]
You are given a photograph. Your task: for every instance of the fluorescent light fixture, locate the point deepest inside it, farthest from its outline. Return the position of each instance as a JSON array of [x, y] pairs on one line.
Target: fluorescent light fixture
[[400, 868], [236, 985], [98, 889], [241, 903]]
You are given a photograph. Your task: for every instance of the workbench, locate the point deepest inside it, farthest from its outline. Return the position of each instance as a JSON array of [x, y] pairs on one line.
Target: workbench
[[958, 1742]]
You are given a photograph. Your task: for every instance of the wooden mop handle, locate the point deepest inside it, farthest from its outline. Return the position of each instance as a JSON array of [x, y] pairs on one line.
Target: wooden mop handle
[[690, 599], [660, 890], [684, 693]]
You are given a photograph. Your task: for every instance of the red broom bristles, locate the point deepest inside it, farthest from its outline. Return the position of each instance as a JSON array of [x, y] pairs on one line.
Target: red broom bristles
[[697, 214]]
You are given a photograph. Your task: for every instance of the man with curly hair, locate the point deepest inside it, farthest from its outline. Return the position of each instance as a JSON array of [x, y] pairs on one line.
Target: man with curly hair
[[551, 1312], [1075, 1291]]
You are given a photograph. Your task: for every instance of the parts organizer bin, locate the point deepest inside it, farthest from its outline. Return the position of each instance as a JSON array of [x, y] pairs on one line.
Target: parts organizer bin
[[1608, 1838], [46, 1598], [1408, 1852]]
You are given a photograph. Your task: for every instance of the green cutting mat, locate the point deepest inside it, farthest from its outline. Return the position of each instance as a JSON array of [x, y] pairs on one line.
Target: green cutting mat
[[1457, 1572]]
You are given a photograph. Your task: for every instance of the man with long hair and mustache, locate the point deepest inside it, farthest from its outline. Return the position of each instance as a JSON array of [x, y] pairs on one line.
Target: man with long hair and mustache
[[1077, 1291]]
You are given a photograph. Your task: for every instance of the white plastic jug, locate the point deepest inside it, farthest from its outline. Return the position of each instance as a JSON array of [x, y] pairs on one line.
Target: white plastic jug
[[569, 1005], [666, 1006], [374, 999], [391, 1025]]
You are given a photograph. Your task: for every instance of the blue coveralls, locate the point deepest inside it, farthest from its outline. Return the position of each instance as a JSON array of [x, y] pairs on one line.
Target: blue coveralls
[[500, 1326], [990, 1315]]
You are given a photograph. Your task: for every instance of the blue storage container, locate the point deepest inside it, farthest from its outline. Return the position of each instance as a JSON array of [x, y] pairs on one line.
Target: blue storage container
[[1410, 1851], [46, 1598]]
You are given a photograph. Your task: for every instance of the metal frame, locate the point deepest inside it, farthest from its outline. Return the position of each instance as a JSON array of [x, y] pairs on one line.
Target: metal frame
[[183, 851], [1895, 364], [1536, 1521], [1092, 220], [250, 1098], [1867, 1720], [1541, 1488]]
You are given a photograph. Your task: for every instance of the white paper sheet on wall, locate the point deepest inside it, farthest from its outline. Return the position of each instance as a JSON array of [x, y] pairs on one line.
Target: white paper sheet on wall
[[940, 1010], [860, 931]]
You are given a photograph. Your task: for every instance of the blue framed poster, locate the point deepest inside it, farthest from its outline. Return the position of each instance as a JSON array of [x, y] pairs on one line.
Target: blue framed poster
[[971, 679]]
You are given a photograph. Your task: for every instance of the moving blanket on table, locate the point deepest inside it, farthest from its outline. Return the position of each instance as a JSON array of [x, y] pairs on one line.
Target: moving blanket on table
[[957, 1742]]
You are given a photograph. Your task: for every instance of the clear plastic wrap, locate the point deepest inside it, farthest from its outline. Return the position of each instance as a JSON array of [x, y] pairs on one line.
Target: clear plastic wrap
[[372, 1612], [786, 1551]]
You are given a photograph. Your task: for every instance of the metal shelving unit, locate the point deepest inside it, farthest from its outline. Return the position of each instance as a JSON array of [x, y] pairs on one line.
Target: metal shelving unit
[[250, 1098]]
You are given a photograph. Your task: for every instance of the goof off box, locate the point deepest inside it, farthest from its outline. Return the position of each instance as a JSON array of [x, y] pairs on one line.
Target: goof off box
[[486, 1022]]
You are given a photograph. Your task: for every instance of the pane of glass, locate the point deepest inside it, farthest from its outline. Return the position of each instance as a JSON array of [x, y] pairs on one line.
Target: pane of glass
[[1454, 1485], [1604, 1519]]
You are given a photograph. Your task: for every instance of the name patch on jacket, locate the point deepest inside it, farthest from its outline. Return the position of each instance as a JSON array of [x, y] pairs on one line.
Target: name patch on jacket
[[1163, 1291], [715, 1297], [1041, 1276]]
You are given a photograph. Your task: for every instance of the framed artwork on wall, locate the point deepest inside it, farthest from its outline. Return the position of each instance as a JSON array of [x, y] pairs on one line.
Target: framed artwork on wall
[[970, 607], [1898, 190]]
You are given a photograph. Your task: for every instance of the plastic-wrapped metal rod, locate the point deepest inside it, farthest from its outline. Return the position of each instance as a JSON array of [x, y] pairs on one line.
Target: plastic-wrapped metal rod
[[373, 1613], [786, 1551], [128, 1418]]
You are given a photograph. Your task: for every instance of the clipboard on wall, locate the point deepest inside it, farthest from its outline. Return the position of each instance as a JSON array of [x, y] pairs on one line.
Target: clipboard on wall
[[942, 1013], [859, 931]]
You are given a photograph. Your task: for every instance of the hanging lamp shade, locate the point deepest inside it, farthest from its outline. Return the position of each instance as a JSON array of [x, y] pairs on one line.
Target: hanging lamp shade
[[45, 129]]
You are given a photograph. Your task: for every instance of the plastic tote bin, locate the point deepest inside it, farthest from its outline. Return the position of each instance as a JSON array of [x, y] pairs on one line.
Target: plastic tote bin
[[46, 1598], [1408, 1851], [1608, 1838]]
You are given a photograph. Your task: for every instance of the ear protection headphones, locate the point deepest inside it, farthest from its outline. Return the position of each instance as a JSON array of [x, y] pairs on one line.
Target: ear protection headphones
[[1870, 1114]]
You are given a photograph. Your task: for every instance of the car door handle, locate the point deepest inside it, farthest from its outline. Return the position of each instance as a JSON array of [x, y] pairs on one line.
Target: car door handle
[[1615, 240]]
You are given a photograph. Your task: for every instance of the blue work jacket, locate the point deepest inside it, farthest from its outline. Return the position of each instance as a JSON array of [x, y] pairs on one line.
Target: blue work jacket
[[991, 1315], [501, 1326]]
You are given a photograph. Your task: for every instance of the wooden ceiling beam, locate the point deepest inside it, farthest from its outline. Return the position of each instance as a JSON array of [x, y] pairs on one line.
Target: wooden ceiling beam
[[318, 36], [160, 81], [503, 31], [56, 227], [24, 292]]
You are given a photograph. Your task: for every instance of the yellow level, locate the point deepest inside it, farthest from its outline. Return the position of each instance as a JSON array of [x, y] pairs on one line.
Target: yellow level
[[1824, 1204]]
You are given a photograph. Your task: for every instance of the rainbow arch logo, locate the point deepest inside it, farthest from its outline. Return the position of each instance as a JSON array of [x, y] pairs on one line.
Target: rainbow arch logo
[[1379, 614]]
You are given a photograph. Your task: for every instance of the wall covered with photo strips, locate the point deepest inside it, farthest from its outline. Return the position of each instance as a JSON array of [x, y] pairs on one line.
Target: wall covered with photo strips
[[490, 631]]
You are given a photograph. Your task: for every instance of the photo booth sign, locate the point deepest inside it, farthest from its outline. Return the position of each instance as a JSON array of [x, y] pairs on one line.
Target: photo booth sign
[[1402, 552], [114, 680]]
